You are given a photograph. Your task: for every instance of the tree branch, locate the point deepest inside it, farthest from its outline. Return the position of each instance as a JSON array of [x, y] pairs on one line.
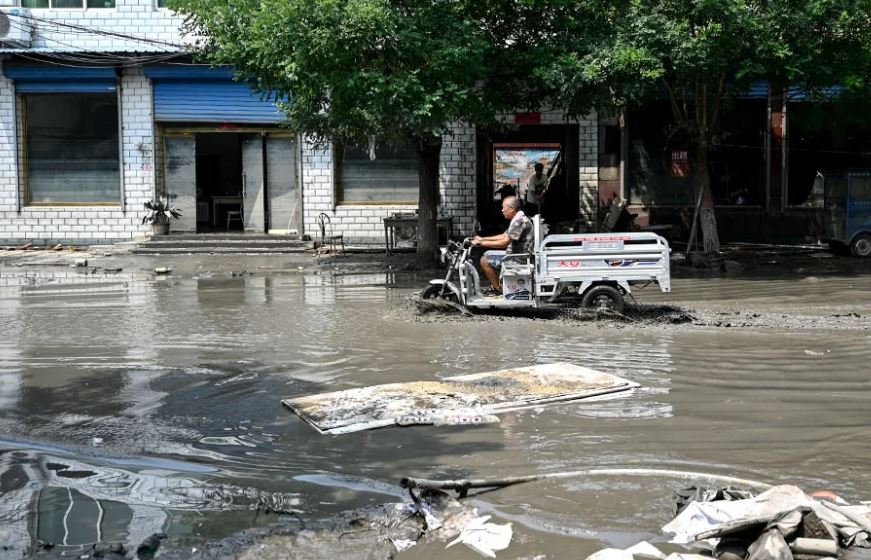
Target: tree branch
[[718, 100], [679, 115]]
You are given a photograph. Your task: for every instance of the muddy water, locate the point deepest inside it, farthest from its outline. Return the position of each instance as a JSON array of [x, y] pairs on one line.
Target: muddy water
[[132, 404]]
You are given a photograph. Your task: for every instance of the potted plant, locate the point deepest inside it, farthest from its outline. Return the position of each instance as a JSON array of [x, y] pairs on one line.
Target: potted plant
[[158, 214]]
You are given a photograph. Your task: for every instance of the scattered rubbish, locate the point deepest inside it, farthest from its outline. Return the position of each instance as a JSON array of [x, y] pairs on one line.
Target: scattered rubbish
[[25, 247], [81, 263], [97, 441], [403, 544], [781, 523], [460, 400], [114, 270], [816, 353], [484, 537], [163, 270]]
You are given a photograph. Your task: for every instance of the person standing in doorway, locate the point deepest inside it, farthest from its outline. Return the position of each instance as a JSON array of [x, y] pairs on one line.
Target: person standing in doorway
[[535, 190]]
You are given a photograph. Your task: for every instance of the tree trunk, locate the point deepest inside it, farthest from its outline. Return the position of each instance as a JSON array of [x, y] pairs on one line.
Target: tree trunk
[[707, 218], [428, 152]]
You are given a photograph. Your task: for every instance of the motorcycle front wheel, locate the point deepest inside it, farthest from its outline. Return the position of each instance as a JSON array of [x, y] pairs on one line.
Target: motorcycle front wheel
[[434, 291]]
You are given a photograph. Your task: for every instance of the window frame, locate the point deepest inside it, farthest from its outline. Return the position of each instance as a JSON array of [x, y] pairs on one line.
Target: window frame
[[25, 160], [84, 6], [338, 189]]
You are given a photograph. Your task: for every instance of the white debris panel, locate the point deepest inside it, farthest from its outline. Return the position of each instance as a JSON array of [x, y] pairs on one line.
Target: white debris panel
[[463, 399]]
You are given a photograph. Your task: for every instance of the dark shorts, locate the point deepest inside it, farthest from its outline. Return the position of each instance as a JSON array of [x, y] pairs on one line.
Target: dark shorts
[[494, 257]]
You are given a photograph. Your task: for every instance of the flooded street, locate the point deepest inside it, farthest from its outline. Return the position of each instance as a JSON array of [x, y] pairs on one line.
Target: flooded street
[[132, 403]]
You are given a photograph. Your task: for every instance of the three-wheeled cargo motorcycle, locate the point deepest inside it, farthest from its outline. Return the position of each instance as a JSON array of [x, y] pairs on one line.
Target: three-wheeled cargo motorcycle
[[595, 270]]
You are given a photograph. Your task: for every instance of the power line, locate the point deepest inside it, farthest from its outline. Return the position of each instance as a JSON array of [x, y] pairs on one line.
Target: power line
[[96, 31]]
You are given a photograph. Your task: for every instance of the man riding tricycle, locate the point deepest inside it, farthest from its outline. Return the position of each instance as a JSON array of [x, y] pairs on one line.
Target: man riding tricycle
[[526, 268]]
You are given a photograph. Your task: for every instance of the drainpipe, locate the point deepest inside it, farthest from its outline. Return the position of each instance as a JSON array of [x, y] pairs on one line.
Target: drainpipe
[[265, 183], [121, 158], [784, 157], [767, 157]]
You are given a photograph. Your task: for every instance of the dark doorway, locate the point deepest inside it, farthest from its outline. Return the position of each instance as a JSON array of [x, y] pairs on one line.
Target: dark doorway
[[219, 182], [561, 202]]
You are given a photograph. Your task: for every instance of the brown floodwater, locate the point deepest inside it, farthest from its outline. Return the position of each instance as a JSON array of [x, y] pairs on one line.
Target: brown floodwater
[[132, 403]]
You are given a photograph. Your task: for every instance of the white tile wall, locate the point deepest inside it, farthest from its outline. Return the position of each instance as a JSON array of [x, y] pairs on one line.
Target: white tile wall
[[363, 224], [139, 18], [81, 225]]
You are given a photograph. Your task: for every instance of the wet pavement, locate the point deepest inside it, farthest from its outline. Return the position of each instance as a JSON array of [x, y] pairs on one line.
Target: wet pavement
[[133, 403]]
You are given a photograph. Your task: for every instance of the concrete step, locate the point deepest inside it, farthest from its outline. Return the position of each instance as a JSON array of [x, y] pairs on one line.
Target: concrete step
[[211, 249], [265, 243], [222, 236]]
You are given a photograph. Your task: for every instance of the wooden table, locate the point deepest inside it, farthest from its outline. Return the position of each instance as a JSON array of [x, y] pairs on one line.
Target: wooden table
[[393, 222]]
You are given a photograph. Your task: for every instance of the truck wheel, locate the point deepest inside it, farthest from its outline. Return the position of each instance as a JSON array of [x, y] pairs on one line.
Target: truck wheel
[[604, 298], [861, 245], [433, 291]]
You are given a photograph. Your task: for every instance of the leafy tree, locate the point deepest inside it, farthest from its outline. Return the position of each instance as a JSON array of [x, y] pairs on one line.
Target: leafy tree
[[376, 71], [698, 53]]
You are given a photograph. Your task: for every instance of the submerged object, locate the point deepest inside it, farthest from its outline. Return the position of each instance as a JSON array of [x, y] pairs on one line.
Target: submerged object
[[459, 400]]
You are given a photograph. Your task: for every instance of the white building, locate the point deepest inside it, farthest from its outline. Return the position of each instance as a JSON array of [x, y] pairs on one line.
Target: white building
[[100, 110]]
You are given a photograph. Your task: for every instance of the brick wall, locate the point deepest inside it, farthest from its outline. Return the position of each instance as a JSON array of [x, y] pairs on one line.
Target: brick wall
[[362, 224], [20, 223], [139, 18]]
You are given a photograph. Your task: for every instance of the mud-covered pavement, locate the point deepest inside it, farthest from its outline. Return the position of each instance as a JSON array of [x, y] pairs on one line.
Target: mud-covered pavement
[[133, 403]]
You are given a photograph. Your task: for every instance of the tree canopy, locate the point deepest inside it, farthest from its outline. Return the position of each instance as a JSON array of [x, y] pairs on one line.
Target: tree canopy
[[379, 71], [696, 53]]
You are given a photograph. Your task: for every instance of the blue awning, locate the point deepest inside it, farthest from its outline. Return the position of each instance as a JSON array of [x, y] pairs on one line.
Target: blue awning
[[196, 93], [32, 77]]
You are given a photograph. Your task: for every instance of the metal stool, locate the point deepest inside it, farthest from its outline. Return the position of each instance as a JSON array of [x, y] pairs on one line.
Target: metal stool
[[235, 215]]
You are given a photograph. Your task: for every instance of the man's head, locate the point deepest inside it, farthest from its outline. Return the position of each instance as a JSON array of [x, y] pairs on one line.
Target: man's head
[[510, 206], [539, 168]]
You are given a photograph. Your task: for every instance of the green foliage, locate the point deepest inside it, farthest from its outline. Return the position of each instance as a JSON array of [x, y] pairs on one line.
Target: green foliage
[[698, 52], [369, 69], [159, 211]]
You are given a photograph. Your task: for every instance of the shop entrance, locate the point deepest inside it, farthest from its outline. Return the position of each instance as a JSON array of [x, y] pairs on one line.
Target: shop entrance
[[506, 164], [219, 182], [230, 180]]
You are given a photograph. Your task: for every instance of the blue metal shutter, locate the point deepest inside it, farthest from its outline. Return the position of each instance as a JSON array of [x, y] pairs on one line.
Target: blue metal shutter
[[185, 93], [32, 77]]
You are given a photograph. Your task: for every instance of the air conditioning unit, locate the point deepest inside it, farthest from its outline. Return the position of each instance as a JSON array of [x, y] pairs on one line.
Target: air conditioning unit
[[16, 27]]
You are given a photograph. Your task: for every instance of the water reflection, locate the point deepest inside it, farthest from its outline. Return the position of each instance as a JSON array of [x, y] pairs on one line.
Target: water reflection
[[66, 502]]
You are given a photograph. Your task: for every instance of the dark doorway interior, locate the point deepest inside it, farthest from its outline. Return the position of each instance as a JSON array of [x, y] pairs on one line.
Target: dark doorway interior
[[219, 182], [562, 200]]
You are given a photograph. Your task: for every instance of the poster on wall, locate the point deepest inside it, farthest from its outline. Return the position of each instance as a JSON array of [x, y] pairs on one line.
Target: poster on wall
[[514, 165]]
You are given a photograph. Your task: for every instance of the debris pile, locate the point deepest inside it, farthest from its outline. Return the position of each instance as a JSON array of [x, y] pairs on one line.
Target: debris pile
[[782, 523]]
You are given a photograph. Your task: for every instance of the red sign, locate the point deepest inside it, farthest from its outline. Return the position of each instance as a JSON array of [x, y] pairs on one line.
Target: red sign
[[680, 163], [527, 118]]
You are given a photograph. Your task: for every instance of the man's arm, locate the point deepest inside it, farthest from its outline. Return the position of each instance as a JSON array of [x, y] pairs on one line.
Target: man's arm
[[500, 241]]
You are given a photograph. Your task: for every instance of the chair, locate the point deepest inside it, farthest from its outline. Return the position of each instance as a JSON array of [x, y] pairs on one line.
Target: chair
[[327, 233], [235, 215]]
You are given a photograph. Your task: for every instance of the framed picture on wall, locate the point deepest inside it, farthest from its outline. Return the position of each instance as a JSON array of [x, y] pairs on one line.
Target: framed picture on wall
[[514, 165]]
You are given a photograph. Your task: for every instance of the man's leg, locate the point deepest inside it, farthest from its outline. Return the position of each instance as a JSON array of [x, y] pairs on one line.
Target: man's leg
[[489, 261]]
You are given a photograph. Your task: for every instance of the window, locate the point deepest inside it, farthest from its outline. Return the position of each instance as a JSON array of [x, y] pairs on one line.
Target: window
[[391, 177], [72, 148], [161, 3], [62, 4]]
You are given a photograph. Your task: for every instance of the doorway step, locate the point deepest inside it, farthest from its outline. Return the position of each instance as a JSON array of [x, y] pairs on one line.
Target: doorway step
[[223, 243]]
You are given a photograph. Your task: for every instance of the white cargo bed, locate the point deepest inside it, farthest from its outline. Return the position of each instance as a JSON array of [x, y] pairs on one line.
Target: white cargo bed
[[589, 258]]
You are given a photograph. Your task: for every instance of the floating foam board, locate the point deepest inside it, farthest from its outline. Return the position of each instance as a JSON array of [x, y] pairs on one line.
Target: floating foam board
[[477, 394]]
